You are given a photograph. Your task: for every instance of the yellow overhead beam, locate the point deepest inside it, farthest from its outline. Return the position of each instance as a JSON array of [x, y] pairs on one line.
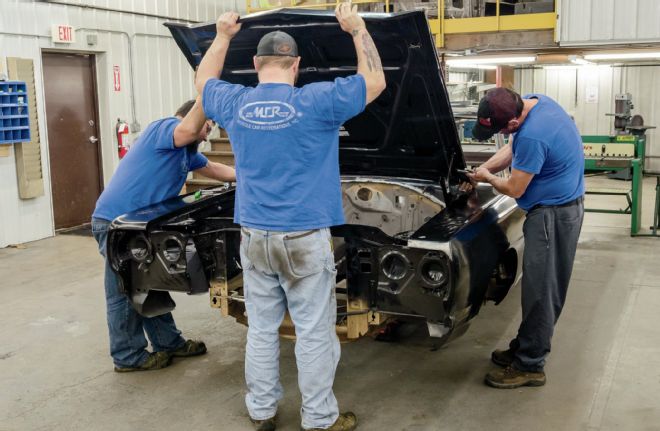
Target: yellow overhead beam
[[488, 24], [471, 25], [530, 21]]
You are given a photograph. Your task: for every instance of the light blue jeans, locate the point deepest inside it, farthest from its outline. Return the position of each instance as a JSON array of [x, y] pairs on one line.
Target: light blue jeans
[[125, 326], [292, 271]]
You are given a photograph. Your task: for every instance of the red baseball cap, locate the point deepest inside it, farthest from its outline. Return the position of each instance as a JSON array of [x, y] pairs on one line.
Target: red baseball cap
[[496, 109]]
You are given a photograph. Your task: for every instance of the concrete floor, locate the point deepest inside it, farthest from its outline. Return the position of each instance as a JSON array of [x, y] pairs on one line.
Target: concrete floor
[[603, 373]]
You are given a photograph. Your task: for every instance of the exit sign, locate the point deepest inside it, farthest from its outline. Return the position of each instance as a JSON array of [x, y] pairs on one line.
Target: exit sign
[[61, 33]]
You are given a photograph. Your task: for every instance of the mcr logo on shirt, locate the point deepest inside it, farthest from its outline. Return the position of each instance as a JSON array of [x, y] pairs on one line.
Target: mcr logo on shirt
[[269, 115]]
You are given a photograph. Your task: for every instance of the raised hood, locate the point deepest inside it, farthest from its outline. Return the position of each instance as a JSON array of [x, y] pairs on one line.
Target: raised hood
[[409, 131]]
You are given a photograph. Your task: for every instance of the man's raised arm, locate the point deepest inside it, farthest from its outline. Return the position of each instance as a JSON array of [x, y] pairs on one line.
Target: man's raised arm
[[369, 64], [187, 131], [214, 59]]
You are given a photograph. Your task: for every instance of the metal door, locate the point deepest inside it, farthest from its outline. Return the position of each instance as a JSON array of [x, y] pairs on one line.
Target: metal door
[[73, 136]]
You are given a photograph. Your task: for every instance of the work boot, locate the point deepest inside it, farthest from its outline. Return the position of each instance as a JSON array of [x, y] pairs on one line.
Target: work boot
[[345, 422], [265, 425], [155, 361], [509, 378], [189, 348], [503, 358]]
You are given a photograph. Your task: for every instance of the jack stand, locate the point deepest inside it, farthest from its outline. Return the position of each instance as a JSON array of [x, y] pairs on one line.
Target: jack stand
[[656, 212], [655, 228]]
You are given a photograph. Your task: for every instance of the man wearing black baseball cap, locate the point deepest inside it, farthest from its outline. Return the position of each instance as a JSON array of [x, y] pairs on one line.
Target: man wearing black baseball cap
[[286, 144], [277, 43], [547, 163]]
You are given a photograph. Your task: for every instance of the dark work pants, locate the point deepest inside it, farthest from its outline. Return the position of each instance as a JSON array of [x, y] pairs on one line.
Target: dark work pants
[[126, 327], [551, 236]]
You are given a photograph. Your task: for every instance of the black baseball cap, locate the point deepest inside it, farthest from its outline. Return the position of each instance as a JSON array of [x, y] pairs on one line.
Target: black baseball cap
[[277, 43], [496, 109]]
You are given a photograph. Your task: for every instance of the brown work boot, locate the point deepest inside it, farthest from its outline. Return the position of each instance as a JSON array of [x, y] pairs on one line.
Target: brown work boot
[[155, 361], [266, 424], [345, 422], [189, 348], [503, 358], [509, 378]]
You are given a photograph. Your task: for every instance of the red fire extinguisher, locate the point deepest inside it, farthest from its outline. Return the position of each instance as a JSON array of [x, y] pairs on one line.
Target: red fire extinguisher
[[122, 137]]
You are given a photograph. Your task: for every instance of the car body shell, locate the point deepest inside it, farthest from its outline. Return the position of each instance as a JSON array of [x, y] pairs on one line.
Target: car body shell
[[415, 245]]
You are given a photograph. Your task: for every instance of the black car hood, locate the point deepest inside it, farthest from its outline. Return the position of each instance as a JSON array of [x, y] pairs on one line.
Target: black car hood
[[409, 131]]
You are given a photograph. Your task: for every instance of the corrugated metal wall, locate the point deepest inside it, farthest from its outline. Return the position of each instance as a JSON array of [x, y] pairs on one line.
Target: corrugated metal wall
[[574, 90], [609, 21], [457, 84], [162, 79]]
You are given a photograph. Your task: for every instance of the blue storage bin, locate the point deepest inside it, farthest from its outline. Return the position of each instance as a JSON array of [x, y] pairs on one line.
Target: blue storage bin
[[14, 112]]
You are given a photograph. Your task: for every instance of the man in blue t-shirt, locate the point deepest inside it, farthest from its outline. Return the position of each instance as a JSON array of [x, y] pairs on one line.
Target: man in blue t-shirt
[[286, 144], [154, 170], [547, 164]]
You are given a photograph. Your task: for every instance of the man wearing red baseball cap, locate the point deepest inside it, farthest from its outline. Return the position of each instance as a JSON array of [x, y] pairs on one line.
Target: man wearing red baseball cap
[[547, 163]]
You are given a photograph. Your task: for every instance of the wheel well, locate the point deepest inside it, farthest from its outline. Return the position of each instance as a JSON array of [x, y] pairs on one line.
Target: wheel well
[[504, 276]]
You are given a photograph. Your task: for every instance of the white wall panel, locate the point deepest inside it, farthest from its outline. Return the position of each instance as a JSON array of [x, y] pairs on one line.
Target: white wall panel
[[569, 88], [624, 12], [24, 220], [162, 79], [609, 21]]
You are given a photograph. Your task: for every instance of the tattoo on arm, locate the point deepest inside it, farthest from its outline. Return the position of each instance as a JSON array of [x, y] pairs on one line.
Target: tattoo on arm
[[370, 51], [355, 32]]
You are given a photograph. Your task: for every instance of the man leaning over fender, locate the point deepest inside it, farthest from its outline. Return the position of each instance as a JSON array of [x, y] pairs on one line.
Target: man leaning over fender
[[547, 180], [154, 170]]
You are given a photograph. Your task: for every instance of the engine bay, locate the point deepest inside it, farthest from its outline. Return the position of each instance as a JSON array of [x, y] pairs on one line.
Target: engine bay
[[398, 209]]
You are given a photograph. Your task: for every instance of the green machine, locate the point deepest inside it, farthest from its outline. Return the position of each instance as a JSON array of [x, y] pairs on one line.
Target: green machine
[[622, 154]]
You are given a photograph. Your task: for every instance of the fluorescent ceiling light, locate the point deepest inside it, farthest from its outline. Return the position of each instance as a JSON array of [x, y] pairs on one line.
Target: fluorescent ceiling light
[[561, 67], [576, 59], [622, 56], [464, 61], [474, 66]]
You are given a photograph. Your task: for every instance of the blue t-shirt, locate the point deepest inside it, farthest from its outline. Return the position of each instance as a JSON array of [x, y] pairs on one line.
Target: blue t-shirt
[[152, 171], [286, 146], [549, 146]]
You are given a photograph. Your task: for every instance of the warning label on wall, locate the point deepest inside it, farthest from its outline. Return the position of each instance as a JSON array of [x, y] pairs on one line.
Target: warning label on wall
[[116, 78]]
